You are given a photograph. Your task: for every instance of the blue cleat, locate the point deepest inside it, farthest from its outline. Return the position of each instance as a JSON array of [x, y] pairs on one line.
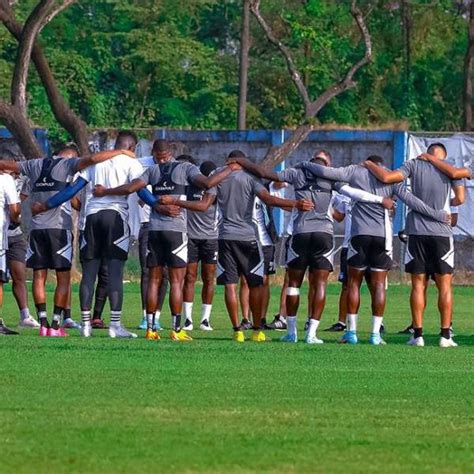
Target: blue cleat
[[157, 326], [376, 339], [289, 338], [350, 337], [143, 323]]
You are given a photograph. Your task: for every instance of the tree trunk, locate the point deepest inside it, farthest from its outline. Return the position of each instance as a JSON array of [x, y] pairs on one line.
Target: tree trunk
[[244, 65], [468, 59]]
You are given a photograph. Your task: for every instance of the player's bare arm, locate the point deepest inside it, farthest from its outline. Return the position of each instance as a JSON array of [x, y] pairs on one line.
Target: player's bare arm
[[383, 175], [10, 166], [301, 204], [259, 171], [124, 190], [14, 211], [170, 210], [208, 182], [459, 195], [100, 157], [450, 171], [201, 206]]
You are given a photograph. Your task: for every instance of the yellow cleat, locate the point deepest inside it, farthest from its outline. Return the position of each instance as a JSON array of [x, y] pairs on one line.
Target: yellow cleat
[[152, 335], [259, 336], [180, 336], [239, 336]]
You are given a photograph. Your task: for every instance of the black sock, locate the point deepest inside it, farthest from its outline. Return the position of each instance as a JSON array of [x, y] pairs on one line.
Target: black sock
[[237, 328], [42, 315], [417, 332], [446, 333], [57, 312], [97, 314], [66, 313], [176, 322]]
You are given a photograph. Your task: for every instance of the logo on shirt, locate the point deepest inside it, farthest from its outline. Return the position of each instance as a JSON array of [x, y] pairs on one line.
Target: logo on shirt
[[165, 186], [44, 183]]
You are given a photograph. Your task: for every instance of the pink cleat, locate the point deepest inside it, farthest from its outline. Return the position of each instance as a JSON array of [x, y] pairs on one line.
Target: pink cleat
[[44, 331], [57, 332]]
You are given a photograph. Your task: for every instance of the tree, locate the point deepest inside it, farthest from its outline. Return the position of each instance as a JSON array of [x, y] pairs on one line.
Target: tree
[[244, 65], [311, 106], [468, 59], [15, 114]]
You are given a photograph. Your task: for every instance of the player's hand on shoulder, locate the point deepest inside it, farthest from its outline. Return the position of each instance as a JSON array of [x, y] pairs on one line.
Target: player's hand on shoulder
[[38, 208], [447, 217], [99, 191], [304, 205], [129, 153], [388, 203], [425, 157]]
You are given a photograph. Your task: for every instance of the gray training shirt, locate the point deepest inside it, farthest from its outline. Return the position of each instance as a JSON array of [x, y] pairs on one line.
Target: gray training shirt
[[44, 183], [432, 187], [235, 195], [367, 218], [181, 176], [202, 225], [317, 190]]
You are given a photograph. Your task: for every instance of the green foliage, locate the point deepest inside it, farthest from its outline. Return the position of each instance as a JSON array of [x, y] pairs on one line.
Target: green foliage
[[174, 63]]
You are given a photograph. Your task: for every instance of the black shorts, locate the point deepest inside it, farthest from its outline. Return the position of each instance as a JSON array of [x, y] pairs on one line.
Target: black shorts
[[343, 266], [269, 267], [312, 249], [106, 236], [201, 250], [369, 252], [50, 249], [240, 258], [16, 249], [143, 244], [427, 254], [167, 248]]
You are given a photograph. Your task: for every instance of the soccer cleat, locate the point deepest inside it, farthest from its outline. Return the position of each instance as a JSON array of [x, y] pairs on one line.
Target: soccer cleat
[[416, 341], [69, 323], [29, 322], [313, 340], [278, 324], [4, 331], [263, 324], [143, 323], [407, 330], [382, 329], [188, 325], [259, 336], [306, 324], [205, 326], [336, 327], [60, 332], [376, 339], [152, 335], [157, 326], [239, 336], [443, 342], [98, 324], [180, 336], [86, 330], [43, 332], [119, 331], [245, 325], [349, 337], [289, 338], [451, 331]]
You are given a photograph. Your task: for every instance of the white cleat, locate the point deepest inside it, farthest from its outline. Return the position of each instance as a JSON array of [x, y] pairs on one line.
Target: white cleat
[[417, 342], [205, 326], [188, 325], [69, 323], [86, 330], [119, 331], [29, 322], [443, 342], [313, 340]]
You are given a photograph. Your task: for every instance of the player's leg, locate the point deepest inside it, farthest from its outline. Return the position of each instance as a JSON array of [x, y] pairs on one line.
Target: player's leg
[[279, 321], [39, 298], [340, 325], [142, 254], [188, 294], [445, 307], [90, 270], [244, 300], [100, 297], [162, 292], [176, 277], [68, 322], [232, 305], [378, 291], [61, 298], [354, 282], [318, 282], [268, 270], [208, 275], [417, 305], [155, 276], [4, 331]]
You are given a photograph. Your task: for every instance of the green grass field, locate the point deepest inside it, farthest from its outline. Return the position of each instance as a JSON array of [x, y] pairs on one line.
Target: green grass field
[[101, 405]]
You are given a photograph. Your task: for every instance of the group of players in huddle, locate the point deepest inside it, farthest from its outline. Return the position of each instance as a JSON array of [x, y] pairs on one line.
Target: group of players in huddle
[[221, 218]]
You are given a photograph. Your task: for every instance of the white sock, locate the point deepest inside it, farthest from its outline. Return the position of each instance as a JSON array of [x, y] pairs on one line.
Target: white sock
[[149, 321], [376, 324], [144, 314], [86, 317], [291, 321], [115, 317], [25, 313], [57, 318], [188, 310], [206, 312], [352, 322], [313, 327], [157, 315]]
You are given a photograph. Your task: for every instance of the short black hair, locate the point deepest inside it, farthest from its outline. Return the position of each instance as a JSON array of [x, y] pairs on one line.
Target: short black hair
[[126, 140], [161, 145], [207, 167], [64, 147], [438, 145], [187, 158], [378, 160], [237, 154]]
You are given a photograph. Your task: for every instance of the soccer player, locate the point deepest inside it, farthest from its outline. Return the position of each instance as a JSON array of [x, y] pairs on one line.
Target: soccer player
[[430, 248], [106, 234], [167, 243], [9, 212], [50, 239], [239, 249], [202, 247], [370, 246], [312, 243]]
